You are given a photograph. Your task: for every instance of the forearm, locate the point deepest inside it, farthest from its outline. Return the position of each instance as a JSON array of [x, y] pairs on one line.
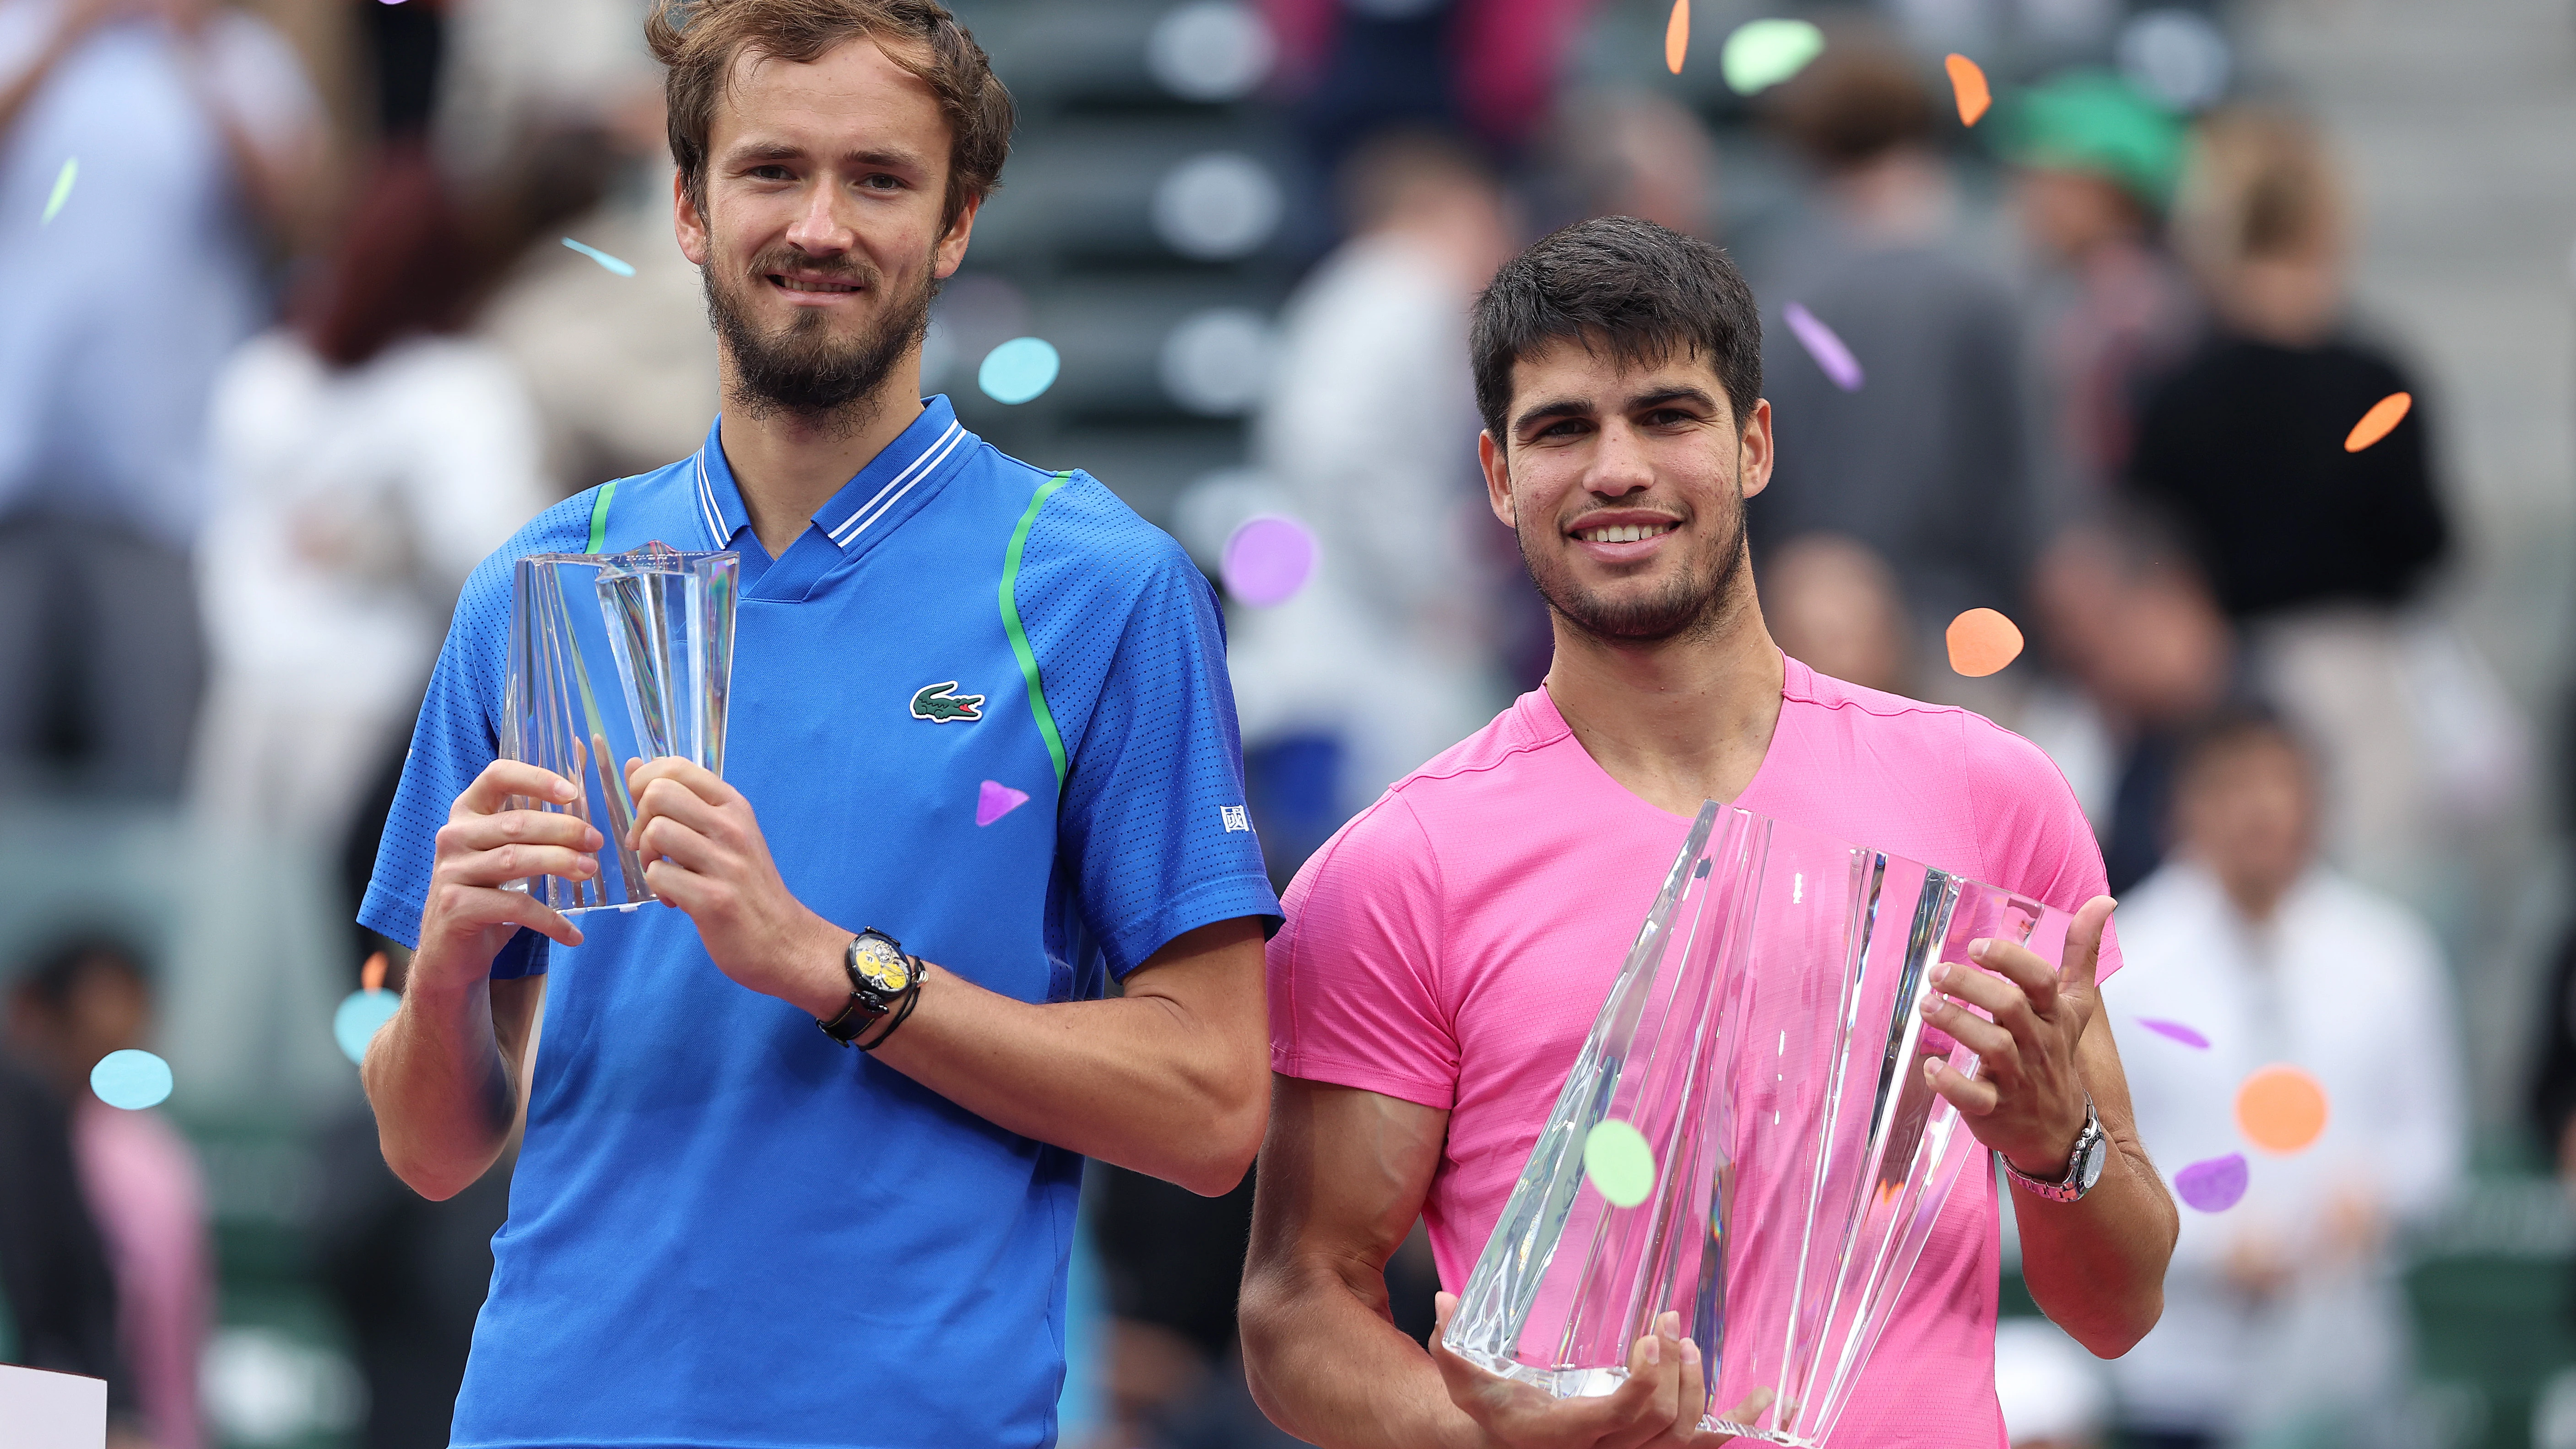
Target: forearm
[[2096, 1266], [1328, 1365], [442, 1094], [1138, 1080], [16, 93]]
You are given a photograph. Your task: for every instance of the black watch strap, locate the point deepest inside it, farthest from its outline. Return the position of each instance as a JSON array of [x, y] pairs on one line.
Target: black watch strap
[[884, 982]]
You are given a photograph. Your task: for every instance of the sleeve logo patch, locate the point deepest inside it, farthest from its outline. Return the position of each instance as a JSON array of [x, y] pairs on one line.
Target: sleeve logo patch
[[937, 704], [1234, 817]]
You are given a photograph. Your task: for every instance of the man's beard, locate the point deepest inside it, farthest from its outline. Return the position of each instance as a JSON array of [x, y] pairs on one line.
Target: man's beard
[[1690, 605], [803, 369]]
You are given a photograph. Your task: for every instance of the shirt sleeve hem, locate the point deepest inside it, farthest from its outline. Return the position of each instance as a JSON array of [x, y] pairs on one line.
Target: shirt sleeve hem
[[1228, 899], [1366, 1077]]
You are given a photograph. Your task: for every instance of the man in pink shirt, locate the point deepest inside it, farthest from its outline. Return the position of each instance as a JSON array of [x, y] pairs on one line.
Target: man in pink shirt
[[1446, 953]]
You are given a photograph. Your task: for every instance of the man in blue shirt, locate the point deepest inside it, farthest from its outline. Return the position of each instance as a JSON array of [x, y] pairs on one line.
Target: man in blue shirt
[[725, 1229]]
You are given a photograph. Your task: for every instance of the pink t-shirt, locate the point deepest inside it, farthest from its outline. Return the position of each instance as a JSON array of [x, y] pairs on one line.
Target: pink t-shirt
[[1430, 946]]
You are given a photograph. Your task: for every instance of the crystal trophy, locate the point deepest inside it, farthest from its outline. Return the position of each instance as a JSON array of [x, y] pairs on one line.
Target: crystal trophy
[[1764, 1041], [616, 657]]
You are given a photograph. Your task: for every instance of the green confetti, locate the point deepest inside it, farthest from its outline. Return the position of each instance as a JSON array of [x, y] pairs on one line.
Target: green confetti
[[1763, 53], [62, 187], [1619, 1163]]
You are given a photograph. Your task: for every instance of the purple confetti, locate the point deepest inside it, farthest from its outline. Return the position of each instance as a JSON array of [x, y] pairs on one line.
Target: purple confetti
[[1825, 347], [2177, 1031], [996, 800], [1267, 560], [2213, 1186]]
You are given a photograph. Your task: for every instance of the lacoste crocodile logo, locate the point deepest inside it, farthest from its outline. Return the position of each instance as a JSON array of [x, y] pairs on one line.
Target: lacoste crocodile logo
[[935, 704]]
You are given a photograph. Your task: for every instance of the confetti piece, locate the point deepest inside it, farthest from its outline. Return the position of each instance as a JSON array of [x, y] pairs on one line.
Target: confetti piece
[[1763, 53], [2281, 1109], [62, 188], [1267, 560], [1677, 36], [2213, 1186], [2379, 422], [1019, 370], [623, 269], [1826, 348], [1969, 84], [1619, 1163], [360, 1015], [131, 1079], [2177, 1031], [371, 977], [996, 800], [1981, 642]]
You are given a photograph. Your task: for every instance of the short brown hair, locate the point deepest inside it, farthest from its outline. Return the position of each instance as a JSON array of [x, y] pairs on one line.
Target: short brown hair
[[699, 40], [1862, 98]]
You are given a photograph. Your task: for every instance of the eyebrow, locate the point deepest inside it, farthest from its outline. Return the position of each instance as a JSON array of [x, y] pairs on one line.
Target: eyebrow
[[757, 152], [1575, 407]]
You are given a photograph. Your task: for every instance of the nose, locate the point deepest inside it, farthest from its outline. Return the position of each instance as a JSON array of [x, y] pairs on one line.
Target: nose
[[822, 227], [1619, 465]]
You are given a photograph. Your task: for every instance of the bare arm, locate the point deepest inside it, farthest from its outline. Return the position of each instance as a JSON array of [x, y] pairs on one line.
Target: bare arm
[[1343, 1176], [2096, 1265], [444, 1076], [77, 20], [1169, 1079]]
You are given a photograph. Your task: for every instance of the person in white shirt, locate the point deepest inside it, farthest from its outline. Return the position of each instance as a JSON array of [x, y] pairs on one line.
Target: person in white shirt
[[1388, 650], [2282, 1313]]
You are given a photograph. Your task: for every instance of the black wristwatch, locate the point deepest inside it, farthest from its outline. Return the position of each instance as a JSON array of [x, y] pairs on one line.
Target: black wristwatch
[[883, 981]]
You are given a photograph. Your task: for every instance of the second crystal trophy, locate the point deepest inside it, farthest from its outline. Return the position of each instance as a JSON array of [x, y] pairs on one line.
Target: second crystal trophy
[[616, 657], [1747, 1137]]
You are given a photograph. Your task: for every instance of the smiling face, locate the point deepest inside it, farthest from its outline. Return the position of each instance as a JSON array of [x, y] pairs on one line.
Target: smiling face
[[820, 236], [1626, 483]]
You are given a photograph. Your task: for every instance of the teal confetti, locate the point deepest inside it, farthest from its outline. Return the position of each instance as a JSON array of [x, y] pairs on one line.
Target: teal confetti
[[1019, 370], [361, 1015], [623, 269], [131, 1079], [62, 188]]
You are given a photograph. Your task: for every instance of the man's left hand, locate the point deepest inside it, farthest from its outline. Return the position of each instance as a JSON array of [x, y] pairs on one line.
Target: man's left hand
[[2027, 1102], [704, 853]]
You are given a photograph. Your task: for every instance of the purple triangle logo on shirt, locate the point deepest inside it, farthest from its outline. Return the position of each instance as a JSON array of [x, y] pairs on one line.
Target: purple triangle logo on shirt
[[996, 800]]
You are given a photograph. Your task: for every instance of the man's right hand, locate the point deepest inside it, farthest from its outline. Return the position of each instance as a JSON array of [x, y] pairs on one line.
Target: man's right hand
[[482, 848], [1659, 1405]]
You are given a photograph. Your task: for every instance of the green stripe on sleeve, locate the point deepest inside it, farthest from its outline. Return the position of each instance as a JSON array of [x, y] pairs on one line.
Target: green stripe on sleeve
[[1019, 636], [599, 518]]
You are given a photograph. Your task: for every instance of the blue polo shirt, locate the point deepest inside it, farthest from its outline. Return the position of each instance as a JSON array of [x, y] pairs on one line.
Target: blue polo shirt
[[726, 1230]]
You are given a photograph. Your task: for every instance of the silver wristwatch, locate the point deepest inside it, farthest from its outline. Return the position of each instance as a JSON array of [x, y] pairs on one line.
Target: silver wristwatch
[[2083, 1169]]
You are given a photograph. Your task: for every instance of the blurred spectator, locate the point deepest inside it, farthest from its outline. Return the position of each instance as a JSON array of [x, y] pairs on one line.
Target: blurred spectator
[[1635, 153], [2094, 167], [2053, 1394], [408, 1276], [83, 999], [2282, 1313], [2126, 619], [2319, 551], [1385, 658], [194, 131], [1926, 462], [57, 1295], [1832, 605], [2553, 1089], [1359, 67], [366, 457]]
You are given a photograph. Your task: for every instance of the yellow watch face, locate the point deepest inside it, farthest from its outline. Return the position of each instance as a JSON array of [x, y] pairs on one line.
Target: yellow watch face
[[882, 965]]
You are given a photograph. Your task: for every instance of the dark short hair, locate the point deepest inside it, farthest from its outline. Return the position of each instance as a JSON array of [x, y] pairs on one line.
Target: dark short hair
[[699, 40], [1644, 292], [48, 976], [2233, 726], [1864, 97]]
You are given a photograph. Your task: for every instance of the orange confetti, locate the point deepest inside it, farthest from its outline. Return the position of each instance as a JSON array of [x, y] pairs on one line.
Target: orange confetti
[[1983, 641], [1677, 36], [2281, 1109], [1970, 85], [371, 977], [2379, 422]]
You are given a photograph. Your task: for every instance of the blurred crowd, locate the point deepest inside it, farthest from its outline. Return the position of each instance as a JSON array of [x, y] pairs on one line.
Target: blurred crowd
[[2108, 354]]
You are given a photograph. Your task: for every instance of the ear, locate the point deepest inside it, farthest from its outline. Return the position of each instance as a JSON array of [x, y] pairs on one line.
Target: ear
[[1753, 449], [1498, 480], [688, 223], [951, 251]]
